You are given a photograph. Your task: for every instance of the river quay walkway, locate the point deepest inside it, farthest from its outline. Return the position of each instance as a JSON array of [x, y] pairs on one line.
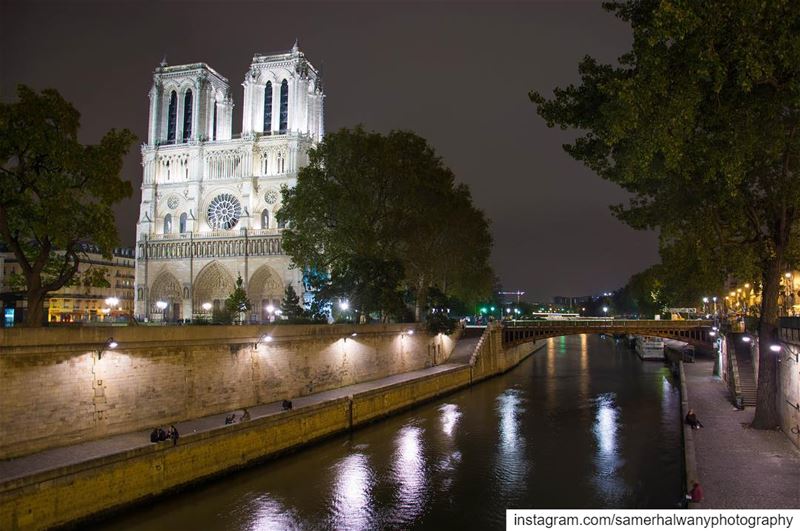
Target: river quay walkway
[[77, 453], [738, 467]]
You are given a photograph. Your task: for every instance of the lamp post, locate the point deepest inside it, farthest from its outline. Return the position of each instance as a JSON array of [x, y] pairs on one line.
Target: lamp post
[[605, 311], [161, 305], [270, 312]]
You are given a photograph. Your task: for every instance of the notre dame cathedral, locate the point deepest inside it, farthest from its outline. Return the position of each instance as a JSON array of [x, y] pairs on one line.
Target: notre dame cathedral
[[209, 197]]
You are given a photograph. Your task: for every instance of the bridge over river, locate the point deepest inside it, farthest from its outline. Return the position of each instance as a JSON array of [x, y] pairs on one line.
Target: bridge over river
[[695, 332]]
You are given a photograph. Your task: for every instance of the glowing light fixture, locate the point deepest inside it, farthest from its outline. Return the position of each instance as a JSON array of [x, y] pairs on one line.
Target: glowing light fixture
[[746, 339], [775, 348]]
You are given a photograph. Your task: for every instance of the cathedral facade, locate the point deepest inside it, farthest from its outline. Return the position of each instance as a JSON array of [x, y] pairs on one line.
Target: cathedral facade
[[209, 197]]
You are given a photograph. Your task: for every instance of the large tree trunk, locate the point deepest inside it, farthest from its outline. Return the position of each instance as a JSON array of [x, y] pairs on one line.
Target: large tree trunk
[[34, 316], [422, 299], [767, 416]]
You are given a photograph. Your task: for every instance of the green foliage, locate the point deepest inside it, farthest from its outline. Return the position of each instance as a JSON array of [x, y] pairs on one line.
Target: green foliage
[[237, 303], [291, 309], [440, 323], [699, 121], [55, 193], [383, 215]]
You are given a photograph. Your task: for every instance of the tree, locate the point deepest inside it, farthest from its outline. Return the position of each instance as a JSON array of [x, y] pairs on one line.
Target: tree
[[237, 302], [290, 305], [700, 122], [55, 193], [382, 214]]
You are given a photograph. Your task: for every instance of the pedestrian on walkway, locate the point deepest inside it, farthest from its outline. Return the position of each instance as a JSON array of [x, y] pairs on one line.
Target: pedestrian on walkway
[[173, 434], [245, 415], [692, 420], [696, 494]]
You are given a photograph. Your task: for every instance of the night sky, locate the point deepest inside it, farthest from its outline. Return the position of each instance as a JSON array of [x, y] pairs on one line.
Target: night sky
[[457, 74]]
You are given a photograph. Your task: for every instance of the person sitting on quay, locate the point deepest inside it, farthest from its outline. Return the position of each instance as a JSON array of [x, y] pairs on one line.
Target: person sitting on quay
[[162, 435], [154, 435], [286, 404], [230, 419], [692, 420], [696, 494]]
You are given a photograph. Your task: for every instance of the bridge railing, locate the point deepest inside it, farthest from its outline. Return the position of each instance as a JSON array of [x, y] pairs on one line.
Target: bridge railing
[[634, 324]]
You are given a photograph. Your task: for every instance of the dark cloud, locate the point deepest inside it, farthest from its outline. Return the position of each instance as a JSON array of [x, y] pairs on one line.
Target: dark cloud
[[456, 73]]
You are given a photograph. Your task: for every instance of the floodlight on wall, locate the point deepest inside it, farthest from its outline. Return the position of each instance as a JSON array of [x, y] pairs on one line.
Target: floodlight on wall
[[266, 338], [775, 348], [110, 344], [746, 339]]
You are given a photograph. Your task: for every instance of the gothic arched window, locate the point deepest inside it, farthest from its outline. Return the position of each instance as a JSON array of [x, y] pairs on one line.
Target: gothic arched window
[[214, 125], [172, 116], [281, 223], [268, 108], [265, 219], [182, 223], [187, 115], [167, 223], [281, 162], [284, 107]]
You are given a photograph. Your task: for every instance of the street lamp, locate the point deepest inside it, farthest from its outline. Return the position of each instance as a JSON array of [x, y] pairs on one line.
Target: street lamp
[[605, 311], [161, 305], [271, 312]]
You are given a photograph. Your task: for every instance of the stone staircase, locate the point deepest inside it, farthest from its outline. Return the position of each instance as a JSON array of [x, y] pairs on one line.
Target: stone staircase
[[747, 380]]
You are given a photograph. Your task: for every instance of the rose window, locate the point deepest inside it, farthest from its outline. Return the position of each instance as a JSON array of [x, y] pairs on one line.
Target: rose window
[[271, 197], [224, 212], [172, 202]]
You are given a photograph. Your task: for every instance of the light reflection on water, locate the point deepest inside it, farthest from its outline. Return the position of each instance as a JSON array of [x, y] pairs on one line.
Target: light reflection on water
[[450, 416], [409, 474], [607, 459], [351, 496], [512, 467], [269, 513], [577, 425]]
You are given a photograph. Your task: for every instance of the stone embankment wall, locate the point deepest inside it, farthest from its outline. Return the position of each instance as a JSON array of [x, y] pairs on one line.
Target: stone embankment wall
[[62, 386], [75, 492]]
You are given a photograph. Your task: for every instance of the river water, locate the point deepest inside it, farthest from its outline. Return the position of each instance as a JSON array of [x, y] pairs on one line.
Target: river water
[[582, 423]]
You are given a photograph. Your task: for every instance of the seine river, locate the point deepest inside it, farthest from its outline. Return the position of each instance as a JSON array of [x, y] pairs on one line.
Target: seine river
[[583, 423]]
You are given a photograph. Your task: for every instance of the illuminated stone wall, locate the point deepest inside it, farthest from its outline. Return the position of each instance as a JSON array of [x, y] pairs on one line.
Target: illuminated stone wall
[[75, 492], [61, 387]]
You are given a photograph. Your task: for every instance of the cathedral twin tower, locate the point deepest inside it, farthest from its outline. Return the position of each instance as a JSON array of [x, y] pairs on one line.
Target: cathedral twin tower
[[209, 197]]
